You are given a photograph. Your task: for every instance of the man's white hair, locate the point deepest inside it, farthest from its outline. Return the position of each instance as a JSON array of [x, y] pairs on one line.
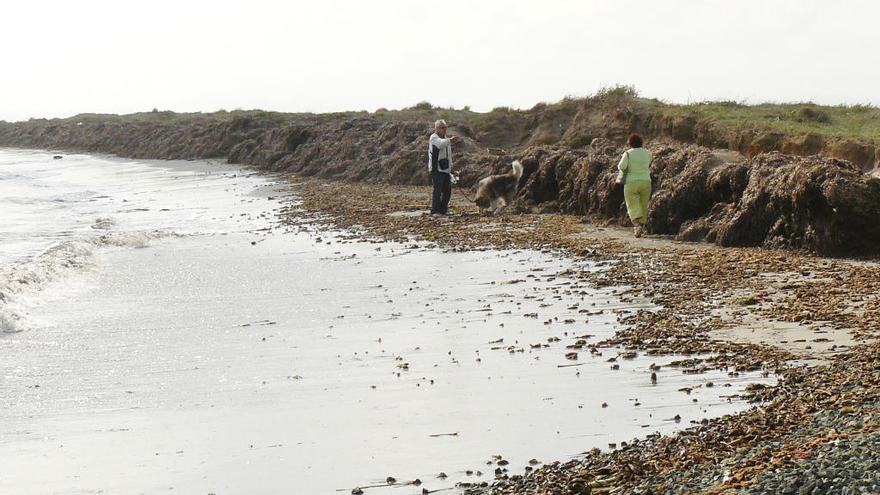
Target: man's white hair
[[439, 123]]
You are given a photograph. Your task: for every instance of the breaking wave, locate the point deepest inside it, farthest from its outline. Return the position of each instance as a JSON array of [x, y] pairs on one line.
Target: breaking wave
[[21, 280]]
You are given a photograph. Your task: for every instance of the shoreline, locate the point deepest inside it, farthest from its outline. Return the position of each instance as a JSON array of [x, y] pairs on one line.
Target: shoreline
[[300, 353], [691, 283], [816, 412]]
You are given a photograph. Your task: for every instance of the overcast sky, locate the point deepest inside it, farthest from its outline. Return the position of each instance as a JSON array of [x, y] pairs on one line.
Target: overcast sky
[[65, 57]]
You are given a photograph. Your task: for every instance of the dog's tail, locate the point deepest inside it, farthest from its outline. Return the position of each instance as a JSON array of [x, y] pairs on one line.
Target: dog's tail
[[517, 169]]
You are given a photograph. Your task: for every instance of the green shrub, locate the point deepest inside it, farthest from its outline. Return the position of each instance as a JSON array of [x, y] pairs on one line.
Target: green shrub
[[617, 91], [422, 105], [810, 114]]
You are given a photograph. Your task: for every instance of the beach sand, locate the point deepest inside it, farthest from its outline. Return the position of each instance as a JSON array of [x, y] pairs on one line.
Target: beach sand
[[812, 320], [253, 354]]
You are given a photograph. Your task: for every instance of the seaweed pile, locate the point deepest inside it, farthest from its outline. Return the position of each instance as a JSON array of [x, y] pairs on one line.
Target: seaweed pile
[[818, 204]]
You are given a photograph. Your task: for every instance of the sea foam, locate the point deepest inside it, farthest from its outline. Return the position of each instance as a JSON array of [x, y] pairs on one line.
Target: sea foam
[[23, 280]]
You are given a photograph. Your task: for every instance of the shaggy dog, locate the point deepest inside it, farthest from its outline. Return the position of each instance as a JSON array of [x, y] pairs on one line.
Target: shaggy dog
[[497, 191]]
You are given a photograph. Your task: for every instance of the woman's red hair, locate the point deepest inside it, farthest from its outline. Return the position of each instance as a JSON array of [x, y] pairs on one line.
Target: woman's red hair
[[634, 140]]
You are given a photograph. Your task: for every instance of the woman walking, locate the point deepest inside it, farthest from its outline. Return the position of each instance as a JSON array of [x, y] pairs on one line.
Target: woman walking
[[635, 173]]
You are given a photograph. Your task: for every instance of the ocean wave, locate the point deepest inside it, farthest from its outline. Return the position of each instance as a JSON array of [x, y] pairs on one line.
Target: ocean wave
[[22, 280], [104, 224]]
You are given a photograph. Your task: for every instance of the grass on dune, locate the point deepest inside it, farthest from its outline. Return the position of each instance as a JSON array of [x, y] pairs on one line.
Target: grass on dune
[[857, 121]]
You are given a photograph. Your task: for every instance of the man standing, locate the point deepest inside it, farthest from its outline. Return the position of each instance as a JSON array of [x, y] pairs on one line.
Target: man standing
[[440, 166]]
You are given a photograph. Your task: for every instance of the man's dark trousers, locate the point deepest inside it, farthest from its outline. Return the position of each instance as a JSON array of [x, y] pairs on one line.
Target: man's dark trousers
[[442, 192]]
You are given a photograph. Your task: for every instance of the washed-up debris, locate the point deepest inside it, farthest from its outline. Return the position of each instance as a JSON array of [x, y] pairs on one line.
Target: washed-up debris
[[689, 285]]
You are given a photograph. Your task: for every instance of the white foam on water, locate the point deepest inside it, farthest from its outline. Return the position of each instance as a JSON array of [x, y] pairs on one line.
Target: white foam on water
[[22, 281], [58, 213]]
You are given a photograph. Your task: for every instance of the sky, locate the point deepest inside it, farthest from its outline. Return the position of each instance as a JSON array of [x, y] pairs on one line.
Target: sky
[[61, 58]]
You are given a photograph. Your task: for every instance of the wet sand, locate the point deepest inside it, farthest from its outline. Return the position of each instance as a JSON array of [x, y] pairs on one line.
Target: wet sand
[[813, 320], [247, 355], [242, 356], [332, 376]]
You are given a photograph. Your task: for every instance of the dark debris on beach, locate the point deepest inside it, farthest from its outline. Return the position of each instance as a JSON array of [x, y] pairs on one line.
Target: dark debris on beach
[[814, 432]]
